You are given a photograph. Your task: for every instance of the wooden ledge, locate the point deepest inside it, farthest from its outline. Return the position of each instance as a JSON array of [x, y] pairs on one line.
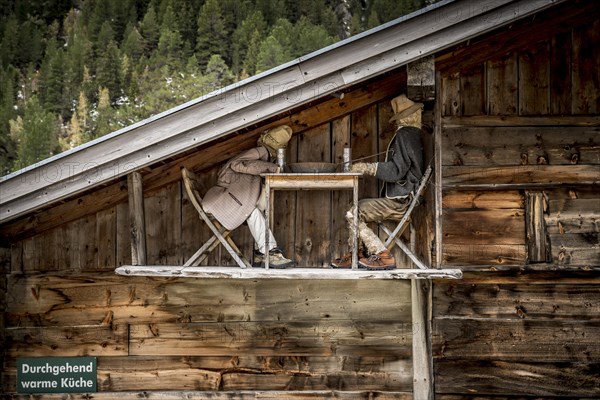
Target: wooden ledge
[[291, 273]]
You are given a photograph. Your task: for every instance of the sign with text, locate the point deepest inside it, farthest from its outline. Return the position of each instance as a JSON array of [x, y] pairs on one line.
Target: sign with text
[[56, 375]]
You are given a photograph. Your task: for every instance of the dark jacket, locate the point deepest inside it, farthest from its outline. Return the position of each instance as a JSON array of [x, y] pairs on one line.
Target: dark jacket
[[402, 169]]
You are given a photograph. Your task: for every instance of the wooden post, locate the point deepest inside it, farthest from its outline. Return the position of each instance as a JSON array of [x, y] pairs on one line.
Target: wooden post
[[136, 218], [421, 345], [538, 242], [437, 140]]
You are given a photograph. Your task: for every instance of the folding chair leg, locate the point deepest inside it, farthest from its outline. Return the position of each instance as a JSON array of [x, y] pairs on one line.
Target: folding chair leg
[[404, 248], [235, 254]]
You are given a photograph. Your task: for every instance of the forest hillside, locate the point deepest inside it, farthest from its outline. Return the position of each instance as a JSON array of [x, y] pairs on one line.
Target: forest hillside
[[74, 70]]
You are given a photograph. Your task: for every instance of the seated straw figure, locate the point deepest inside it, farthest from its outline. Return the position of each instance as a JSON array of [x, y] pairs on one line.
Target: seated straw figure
[[401, 173], [237, 196]]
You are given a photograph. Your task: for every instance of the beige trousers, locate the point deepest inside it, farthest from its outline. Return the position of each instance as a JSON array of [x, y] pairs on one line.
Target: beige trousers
[[374, 210]]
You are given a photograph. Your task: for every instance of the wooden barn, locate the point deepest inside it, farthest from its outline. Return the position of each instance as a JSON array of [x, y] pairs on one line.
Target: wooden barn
[[93, 241]]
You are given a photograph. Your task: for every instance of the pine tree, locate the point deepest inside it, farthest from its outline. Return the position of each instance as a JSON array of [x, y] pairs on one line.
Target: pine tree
[[271, 54], [217, 72], [104, 114], [251, 59], [309, 37], [7, 101], [36, 133], [133, 44], [211, 37], [248, 34], [150, 30], [108, 70], [52, 79]]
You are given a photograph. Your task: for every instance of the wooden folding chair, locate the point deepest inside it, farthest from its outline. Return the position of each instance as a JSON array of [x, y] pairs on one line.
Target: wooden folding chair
[[220, 234], [394, 236]]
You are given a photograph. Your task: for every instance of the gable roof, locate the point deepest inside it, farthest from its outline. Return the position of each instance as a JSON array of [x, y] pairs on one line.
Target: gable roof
[[256, 99]]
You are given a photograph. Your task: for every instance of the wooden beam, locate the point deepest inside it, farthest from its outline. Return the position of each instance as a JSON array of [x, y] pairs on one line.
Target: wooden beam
[[437, 178], [519, 176], [137, 218], [292, 273], [538, 241], [423, 385], [510, 121]]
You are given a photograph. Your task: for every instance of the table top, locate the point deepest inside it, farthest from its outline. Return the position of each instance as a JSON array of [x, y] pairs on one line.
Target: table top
[[312, 180]]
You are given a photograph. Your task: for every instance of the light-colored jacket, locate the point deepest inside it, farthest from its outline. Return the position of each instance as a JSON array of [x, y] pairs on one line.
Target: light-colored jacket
[[238, 187]]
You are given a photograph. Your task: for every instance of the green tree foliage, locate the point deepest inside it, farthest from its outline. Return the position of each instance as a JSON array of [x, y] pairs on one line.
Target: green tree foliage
[[74, 70], [211, 36], [36, 133], [271, 54]]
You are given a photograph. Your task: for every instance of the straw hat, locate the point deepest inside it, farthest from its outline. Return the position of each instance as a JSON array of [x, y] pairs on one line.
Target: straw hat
[[403, 107], [276, 138]]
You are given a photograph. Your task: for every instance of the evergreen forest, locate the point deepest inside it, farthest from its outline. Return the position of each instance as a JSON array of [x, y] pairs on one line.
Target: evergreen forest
[[74, 70]]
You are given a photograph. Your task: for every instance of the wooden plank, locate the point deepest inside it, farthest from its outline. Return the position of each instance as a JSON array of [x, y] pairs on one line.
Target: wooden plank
[[586, 63], [485, 200], [423, 379], [472, 91], [437, 176], [544, 340], [163, 226], [507, 177], [285, 209], [450, 95], [502, 380], [538, 242], [484, 254], [123, 245], [66, 341], [517, 300], [502, 85], [93, 298], [348, 380], [491, 227], [535, 274], [560, 73], [341, 201], [294, 273], [137, 218], [576, 249], [513, 120], [487, 146], [313, 212], [292, 338], [106, 237], [236, 395], [534, 87], [573, 216], [365, 146]]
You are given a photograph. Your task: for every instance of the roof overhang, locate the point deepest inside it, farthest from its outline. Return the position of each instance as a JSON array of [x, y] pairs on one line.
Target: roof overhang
[[256, 99]]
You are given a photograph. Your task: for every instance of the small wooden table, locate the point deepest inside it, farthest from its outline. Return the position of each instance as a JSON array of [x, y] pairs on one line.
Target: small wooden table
[[312, 181]]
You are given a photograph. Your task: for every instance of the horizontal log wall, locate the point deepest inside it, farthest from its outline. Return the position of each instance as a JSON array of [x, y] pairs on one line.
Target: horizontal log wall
[[521, 173], [178, 334]]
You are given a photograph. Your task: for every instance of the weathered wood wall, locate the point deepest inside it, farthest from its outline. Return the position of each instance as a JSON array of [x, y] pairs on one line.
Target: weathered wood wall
[[521, 170], [63, 298]]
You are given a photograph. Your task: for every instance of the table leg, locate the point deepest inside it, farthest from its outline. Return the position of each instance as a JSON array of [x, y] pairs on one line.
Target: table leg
[[267, 220], [355, 222]]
